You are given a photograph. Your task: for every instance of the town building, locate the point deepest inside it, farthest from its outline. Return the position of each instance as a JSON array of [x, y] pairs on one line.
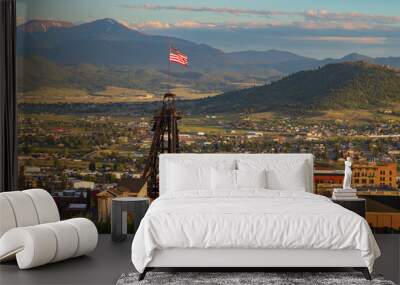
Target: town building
[[72, 203], [127, 187], [376, 174], [327, 179], [383, 220], [79, 184]]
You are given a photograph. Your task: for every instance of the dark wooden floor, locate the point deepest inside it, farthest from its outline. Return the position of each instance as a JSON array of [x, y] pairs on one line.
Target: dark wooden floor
[[103, 266], [389, 262], [110, 260]]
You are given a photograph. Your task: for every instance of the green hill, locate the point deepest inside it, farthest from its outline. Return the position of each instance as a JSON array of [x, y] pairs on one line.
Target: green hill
[[35, 73], [352, 85]]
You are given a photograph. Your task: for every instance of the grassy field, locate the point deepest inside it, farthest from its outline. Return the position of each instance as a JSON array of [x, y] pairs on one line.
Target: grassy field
[[262, 116], [183, 92], [50, 117], [67, 163], [50, 95], [210, 125], [198, 128], [354, 116], [120, 94], [111, 94]]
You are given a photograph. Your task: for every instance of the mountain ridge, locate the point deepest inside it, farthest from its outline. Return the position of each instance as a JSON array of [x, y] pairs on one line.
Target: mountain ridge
[[34, 26]]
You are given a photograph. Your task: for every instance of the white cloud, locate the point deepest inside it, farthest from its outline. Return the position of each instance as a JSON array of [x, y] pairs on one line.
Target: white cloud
[[333, 25], [324, 15], [353, 40], [308, 19], [148, 25], [232, 11], [158, 25], [193, 25]]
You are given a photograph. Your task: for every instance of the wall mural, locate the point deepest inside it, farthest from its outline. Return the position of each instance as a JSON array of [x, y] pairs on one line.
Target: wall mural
[[255, 77]]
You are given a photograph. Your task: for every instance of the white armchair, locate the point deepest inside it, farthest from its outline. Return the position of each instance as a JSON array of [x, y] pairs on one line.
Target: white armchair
[[31, 230]]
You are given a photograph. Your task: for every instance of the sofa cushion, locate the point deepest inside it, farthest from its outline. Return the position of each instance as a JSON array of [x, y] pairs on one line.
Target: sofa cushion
[[87, 235], [23, 208], [46, 208], [32, 246], [7, 220], [67, 240]]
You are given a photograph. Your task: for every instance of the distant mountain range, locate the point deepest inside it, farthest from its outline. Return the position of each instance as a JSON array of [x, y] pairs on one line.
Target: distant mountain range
[[35, 26], [351, 85], [108, 42]]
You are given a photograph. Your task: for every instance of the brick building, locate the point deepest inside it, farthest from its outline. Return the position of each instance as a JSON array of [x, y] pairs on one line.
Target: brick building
[[375, 174]]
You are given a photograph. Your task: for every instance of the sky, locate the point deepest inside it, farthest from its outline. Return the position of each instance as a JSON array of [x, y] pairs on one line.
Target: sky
[[318, 28]]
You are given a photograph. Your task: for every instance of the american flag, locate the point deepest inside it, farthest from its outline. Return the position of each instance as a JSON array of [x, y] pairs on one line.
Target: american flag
[[178, 57]]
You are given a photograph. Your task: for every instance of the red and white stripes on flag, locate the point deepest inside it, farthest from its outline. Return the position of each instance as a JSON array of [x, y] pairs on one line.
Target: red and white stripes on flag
[[178, 57]]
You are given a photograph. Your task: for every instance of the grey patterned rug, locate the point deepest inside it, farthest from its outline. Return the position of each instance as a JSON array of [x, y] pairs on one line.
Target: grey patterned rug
[[243, 278]]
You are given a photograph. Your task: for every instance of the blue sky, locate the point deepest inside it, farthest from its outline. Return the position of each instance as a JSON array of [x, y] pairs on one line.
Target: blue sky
[[313, 28]]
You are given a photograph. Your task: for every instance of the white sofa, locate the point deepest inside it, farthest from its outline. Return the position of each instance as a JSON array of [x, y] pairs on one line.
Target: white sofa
[[31, 230]]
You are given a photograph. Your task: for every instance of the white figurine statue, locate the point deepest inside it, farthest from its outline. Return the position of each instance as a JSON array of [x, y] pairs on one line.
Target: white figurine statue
[[347, 174]]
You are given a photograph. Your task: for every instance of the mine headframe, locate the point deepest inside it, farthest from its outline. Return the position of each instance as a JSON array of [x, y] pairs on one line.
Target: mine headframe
[[165, 139]]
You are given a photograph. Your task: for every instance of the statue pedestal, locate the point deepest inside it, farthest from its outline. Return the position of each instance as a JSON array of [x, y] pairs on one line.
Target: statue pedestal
[[339, 193], [348, 190]]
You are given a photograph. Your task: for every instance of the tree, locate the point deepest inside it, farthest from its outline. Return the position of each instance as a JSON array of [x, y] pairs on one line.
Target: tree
[[57, 164], [92, 166]]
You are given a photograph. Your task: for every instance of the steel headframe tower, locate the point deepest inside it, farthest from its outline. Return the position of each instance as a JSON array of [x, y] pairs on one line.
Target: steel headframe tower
[[165, 139]]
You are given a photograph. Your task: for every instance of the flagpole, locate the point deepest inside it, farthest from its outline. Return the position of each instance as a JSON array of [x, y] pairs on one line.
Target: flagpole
[[169, 67]]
